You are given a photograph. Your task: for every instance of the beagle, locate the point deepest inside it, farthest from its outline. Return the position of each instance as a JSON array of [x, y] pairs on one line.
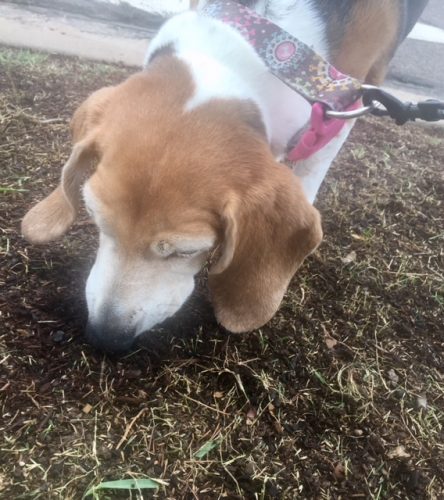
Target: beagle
[[181, 162]]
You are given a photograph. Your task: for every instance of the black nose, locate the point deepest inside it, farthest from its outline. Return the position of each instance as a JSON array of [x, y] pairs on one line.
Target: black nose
[[109, 339]]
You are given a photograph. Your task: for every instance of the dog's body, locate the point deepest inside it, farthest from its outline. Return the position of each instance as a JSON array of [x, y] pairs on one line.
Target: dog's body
[[187, 155], [225, 66]]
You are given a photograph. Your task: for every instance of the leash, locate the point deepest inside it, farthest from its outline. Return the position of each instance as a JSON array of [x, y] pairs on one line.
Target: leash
[[383, 103], [335, 97]]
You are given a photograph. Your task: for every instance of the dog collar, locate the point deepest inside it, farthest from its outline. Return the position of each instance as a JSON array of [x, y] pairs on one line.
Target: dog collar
[[335, 97], [289, 59], [299, 67]]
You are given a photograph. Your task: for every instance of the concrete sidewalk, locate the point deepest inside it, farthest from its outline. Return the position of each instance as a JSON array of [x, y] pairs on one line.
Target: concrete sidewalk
[[72, 35]]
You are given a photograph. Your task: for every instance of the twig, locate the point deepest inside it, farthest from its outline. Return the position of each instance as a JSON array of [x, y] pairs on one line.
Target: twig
[[129, 426]]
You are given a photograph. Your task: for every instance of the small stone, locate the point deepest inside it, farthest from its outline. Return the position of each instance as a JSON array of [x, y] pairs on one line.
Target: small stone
[[133, 374], [251, 415], [249, 469], [358, 432], [339, 472], [58, 337]]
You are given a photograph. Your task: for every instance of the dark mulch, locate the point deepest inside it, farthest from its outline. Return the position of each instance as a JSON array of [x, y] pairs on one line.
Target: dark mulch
[[341, 395]]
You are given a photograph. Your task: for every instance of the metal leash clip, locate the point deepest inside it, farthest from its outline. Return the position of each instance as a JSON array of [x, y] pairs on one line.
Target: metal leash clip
[[379, 102], [348, 115], [385, 104]]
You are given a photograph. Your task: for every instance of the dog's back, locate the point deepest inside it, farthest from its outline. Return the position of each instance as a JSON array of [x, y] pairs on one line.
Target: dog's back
[[361, 35]]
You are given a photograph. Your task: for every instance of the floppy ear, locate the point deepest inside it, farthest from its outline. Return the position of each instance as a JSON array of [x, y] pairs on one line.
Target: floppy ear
[[267, 235], [52, 217]]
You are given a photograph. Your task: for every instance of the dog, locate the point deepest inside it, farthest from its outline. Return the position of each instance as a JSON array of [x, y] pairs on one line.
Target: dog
[[181, 163]]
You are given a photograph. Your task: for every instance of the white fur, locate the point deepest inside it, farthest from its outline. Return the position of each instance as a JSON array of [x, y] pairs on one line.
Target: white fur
[[214, 75], [313, 170], [141, 291], [224, 66]]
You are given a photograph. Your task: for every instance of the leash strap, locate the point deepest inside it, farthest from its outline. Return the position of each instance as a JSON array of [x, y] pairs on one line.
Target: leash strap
[[289, 59]]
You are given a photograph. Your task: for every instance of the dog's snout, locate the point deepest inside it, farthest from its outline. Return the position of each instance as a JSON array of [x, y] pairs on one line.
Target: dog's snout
[[109, 338]]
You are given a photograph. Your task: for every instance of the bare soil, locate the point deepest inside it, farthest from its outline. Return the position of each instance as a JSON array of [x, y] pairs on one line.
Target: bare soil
[[341, 395]]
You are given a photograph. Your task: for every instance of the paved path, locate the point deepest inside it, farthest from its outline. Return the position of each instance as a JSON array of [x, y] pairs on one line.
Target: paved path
[[418, 66], [69, 34]]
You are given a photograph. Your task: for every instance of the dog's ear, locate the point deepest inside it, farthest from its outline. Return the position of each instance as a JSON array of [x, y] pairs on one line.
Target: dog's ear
[[52, 217], [267, 235]]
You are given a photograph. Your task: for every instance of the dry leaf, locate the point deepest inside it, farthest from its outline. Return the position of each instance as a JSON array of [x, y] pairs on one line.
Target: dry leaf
[[330, 342], [351, 257], [421, 403], [393, 376], [357, 237], [398, 452], [278, 427], [87, 408]]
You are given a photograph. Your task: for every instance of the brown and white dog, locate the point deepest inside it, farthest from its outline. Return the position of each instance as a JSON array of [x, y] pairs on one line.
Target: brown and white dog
[[186, 156]]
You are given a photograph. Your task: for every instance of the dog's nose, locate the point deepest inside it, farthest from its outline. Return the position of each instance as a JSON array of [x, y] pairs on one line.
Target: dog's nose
[[108, 338]]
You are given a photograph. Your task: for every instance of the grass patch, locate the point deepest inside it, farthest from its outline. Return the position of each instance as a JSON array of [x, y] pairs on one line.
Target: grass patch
[[341, 395]]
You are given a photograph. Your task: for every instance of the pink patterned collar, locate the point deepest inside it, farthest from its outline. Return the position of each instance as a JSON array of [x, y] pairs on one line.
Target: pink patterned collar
[[299, 67]]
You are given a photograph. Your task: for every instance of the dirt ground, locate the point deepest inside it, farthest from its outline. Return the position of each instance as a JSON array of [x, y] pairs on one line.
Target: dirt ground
[[341, 395]]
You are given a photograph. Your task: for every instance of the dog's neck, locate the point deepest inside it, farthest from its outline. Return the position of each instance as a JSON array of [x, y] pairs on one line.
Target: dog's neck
[[224, 66]]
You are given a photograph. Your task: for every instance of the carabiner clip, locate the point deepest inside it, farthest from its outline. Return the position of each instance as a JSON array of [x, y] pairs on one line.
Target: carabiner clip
[[386, 104], [348, 115]]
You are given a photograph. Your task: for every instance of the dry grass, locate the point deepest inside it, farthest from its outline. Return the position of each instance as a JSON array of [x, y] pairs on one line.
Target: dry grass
[[340, 396]]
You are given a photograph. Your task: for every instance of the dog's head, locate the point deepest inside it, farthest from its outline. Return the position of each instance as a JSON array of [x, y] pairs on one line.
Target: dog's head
[[166, 187]]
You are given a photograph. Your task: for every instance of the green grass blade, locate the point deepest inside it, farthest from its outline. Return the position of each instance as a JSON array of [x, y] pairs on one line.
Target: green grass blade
[[7, 189], [125, 484], [320, 377], [206, 448]]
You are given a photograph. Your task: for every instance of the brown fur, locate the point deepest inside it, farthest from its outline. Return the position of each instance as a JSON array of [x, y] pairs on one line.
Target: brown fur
[[210, 171], [369, 41], [266, 240], [162, 172], [52, 217]]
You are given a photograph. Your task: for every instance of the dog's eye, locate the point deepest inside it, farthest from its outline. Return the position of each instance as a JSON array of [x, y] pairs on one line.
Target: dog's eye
[[184, 254]]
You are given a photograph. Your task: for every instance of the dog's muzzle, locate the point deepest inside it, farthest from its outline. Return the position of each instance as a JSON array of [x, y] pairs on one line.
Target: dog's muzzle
[[109, 337]]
